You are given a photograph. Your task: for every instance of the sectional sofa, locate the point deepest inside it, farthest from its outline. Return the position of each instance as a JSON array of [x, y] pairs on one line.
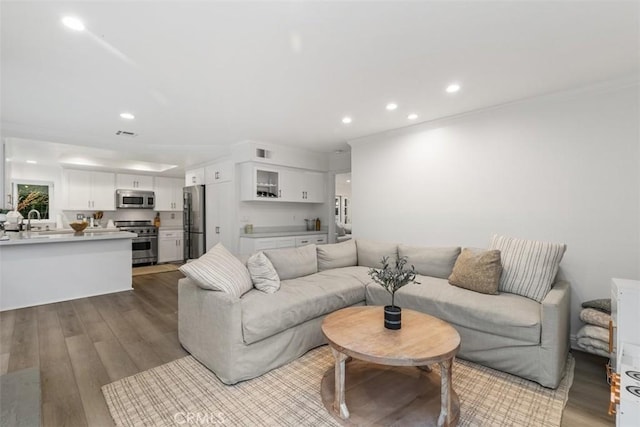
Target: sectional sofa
[[243, 337]]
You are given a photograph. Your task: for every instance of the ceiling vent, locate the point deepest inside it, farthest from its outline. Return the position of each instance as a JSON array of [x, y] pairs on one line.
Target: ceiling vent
[[261, 153], [126, 133]]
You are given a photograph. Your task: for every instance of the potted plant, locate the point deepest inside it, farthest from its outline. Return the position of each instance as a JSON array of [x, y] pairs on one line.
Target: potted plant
[[393, 279]]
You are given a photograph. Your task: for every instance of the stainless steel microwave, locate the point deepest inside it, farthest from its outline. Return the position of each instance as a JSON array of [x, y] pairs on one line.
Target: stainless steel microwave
[[135, 199]]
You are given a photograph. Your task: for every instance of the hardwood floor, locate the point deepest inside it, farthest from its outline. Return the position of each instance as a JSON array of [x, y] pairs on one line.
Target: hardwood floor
[[83, 344]]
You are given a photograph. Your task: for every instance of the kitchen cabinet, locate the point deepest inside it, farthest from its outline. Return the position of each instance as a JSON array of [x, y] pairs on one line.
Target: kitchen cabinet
[[194, 177], [302, 186], [219, 172], [318, 239], [170, 245], [134, 182], [259, 183], [280, 184], [90, 190], [168, 194], [250, 245], [220, 222]]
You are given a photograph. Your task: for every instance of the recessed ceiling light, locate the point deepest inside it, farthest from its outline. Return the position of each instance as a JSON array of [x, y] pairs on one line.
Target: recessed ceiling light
[[73, 23], [127, 116], [348, 180], [32, 162], [346, 120], [453, 88], [412, 116], [391, 106]]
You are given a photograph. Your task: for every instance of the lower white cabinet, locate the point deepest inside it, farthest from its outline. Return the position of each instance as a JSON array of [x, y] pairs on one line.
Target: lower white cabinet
[[249, 245], [170, 246], [318, 239]]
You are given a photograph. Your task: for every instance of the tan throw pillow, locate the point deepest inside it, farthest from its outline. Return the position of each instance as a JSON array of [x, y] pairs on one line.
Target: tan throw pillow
[[263, 275], [477, 271], [530, 267], [219, 270]]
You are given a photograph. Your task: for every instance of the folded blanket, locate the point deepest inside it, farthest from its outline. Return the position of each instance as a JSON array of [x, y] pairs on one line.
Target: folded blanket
[[594, 346], [595, 332], [603, 304], [595, 317]]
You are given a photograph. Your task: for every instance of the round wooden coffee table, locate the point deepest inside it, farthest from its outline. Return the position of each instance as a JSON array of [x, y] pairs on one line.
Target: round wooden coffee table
[[423, 340]]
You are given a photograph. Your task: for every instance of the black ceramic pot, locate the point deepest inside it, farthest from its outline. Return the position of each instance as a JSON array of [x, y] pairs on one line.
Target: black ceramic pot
[[392, 317]]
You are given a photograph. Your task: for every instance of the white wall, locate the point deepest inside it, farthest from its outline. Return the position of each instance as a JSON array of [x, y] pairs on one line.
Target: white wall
[[276, 214], [561, 168]]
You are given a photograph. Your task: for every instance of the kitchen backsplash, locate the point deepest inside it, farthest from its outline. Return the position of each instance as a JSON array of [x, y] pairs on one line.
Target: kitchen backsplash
[[166, 218]]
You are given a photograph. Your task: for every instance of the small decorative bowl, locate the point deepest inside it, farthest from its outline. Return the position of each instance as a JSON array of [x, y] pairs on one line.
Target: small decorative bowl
[[79, 226]]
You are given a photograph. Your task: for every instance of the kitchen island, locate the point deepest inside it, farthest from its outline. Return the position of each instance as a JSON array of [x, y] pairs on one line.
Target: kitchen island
[[44, 268]]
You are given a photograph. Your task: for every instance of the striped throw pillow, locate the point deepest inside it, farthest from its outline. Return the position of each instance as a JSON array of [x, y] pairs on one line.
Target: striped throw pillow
[[219, 270], [529, 267]]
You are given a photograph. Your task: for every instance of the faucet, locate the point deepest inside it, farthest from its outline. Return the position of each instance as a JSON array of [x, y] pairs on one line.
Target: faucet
[[29, 218]]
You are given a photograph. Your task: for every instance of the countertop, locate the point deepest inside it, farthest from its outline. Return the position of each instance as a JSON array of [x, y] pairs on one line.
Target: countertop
[[282, 234], [170, 228], [29, 238]]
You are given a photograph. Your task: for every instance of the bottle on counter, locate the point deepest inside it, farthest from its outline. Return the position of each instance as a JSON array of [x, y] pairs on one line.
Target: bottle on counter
[[156, 220], [317, 224]]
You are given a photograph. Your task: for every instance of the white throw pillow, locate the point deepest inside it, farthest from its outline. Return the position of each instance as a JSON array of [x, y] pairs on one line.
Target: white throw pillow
[[529, 267], [219, 270], [263, 275]]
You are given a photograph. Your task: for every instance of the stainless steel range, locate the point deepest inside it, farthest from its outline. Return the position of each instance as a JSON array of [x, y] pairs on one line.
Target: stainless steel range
[[144, 247]]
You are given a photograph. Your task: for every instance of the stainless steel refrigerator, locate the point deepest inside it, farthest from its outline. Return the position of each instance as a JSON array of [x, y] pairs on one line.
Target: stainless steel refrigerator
[[194, 219]]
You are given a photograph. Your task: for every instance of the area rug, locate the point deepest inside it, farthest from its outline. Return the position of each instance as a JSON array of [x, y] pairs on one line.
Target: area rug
[[184, 392], [151, 269]]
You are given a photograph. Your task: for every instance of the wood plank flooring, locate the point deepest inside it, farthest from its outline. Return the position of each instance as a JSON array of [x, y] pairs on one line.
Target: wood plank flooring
[[81, 345]]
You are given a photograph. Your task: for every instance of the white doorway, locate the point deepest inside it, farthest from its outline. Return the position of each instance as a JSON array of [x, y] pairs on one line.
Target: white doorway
[[342, 209]]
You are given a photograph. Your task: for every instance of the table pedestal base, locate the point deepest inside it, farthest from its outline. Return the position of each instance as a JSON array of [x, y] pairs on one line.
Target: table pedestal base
[[388, 395]]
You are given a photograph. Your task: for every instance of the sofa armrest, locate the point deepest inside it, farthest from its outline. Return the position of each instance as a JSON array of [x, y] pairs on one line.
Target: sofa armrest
[[209, 324], [554, 339]]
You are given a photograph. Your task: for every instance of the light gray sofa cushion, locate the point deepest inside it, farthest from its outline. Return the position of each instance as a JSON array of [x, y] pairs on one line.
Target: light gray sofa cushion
[[370, 253], [436, 262], [297, 301], [337, 255], [505, 315], [294, 262]]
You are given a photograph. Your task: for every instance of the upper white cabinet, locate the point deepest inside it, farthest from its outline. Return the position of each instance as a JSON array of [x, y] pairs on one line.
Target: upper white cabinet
[[259, 183], [134, 182], [90, 190], [219, 172], [194, 177], [168, 194], [308, 187], [280, 184]]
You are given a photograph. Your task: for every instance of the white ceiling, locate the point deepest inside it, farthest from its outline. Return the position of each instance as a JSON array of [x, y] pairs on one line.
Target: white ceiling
[[200, 76]]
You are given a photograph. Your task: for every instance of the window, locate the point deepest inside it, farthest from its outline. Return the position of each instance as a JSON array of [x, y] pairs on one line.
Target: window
[[33, 195]]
